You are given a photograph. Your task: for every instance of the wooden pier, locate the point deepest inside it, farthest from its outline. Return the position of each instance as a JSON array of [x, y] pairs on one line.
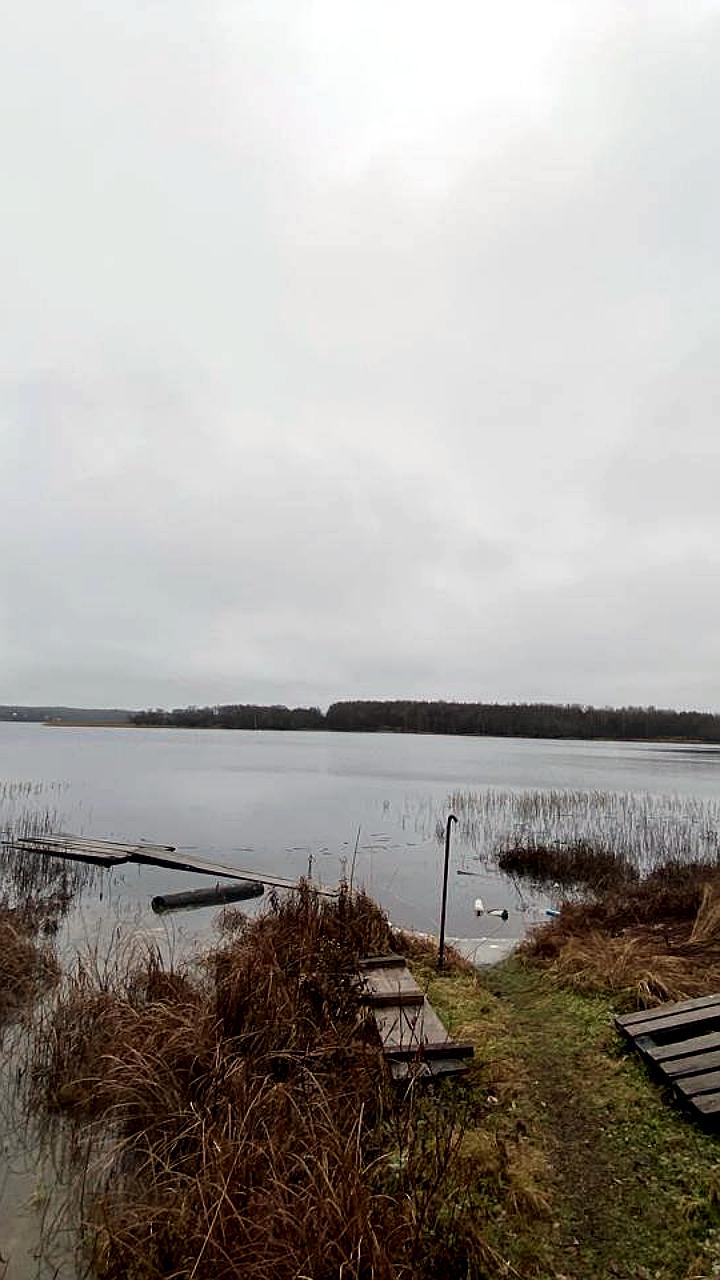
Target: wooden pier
[[414, 1040], [681, 1043], [113, 853]]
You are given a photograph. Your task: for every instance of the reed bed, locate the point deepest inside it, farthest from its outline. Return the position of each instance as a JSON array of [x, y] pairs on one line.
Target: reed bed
[[235, 1118], [637, 829], [25, 813], [567, 867], [34, 894], [645, 941]]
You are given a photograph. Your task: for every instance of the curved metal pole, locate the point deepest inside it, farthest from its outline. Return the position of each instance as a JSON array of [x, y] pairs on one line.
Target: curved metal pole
[[441, 952]]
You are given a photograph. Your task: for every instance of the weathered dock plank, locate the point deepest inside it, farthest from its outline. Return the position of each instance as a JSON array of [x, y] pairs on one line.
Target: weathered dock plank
[[670, 1021], [415, 1025], [389, 961], [95, 856], [391, 986], [432, 1049], [662, 1053], [394, 999], [414, 1040], [708, 1105], [692, 1064], [663, 1010], [703, 1082]]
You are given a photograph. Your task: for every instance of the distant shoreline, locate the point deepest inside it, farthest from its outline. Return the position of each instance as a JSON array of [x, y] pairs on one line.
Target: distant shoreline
[[84, 724], [395, 733]]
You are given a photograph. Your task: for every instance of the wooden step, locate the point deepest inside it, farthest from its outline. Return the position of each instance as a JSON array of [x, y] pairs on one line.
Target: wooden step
[[414, 1040], [431, 1049]]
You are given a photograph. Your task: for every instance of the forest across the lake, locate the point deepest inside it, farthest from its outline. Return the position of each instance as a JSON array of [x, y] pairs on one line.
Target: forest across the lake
[[492, 719]]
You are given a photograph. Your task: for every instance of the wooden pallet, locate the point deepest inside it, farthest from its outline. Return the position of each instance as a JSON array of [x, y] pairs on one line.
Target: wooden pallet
[[682, 1043], [414, 1040]]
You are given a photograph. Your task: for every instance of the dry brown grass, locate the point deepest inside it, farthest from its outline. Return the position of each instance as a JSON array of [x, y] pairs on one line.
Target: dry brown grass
[[654, 940], [237, 1120]]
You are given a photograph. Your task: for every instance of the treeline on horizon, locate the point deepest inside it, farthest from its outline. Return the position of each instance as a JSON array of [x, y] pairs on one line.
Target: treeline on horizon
[[481, 719]]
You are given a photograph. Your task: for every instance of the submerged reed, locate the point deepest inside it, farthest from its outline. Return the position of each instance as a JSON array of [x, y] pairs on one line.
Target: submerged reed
[[26, 964], [35, 892], [638, 829]]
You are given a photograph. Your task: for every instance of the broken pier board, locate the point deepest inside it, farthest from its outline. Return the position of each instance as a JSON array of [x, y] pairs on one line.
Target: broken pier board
[[414, 1040], [93, 852], [681, 1042]]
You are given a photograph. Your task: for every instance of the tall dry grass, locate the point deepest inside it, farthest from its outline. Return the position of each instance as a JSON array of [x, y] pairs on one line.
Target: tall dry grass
[[647, 941], [237, 1120], [35, 892]]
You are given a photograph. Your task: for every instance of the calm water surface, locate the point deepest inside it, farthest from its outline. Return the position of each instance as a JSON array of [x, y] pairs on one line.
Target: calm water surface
[[270, 801]]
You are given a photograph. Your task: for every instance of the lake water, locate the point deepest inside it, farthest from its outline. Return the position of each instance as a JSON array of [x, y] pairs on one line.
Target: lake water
[[272, 802]]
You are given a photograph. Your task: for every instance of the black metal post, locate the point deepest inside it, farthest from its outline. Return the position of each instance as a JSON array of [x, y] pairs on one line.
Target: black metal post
[[441, 952]]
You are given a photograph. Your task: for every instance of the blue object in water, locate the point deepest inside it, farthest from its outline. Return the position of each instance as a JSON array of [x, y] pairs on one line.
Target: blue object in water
[[552, 911]]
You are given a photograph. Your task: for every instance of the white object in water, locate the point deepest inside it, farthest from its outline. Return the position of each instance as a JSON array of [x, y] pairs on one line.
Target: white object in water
[[482, 910]]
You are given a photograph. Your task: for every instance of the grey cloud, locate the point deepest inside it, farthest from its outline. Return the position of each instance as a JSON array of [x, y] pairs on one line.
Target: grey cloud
[[284, 416]]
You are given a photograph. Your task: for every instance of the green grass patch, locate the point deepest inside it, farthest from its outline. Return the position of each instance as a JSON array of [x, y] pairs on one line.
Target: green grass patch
[[604, 1175]]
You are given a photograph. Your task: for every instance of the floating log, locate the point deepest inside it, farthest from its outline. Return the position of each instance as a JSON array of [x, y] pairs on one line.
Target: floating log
[[213, 897]]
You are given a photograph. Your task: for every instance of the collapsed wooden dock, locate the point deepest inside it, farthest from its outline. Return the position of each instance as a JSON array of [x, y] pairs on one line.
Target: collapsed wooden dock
[[414, 1040], [113, 853], [681, 1043]]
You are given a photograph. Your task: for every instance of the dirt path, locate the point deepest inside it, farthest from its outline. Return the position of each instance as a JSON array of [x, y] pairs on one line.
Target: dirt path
[[633, 1186]]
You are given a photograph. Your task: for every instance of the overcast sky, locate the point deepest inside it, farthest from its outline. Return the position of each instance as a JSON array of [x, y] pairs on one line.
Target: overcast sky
[[360, 349]]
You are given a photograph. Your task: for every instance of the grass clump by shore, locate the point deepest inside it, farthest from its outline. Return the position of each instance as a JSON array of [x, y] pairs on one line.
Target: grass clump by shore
[[576, 864], [644, 941]]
